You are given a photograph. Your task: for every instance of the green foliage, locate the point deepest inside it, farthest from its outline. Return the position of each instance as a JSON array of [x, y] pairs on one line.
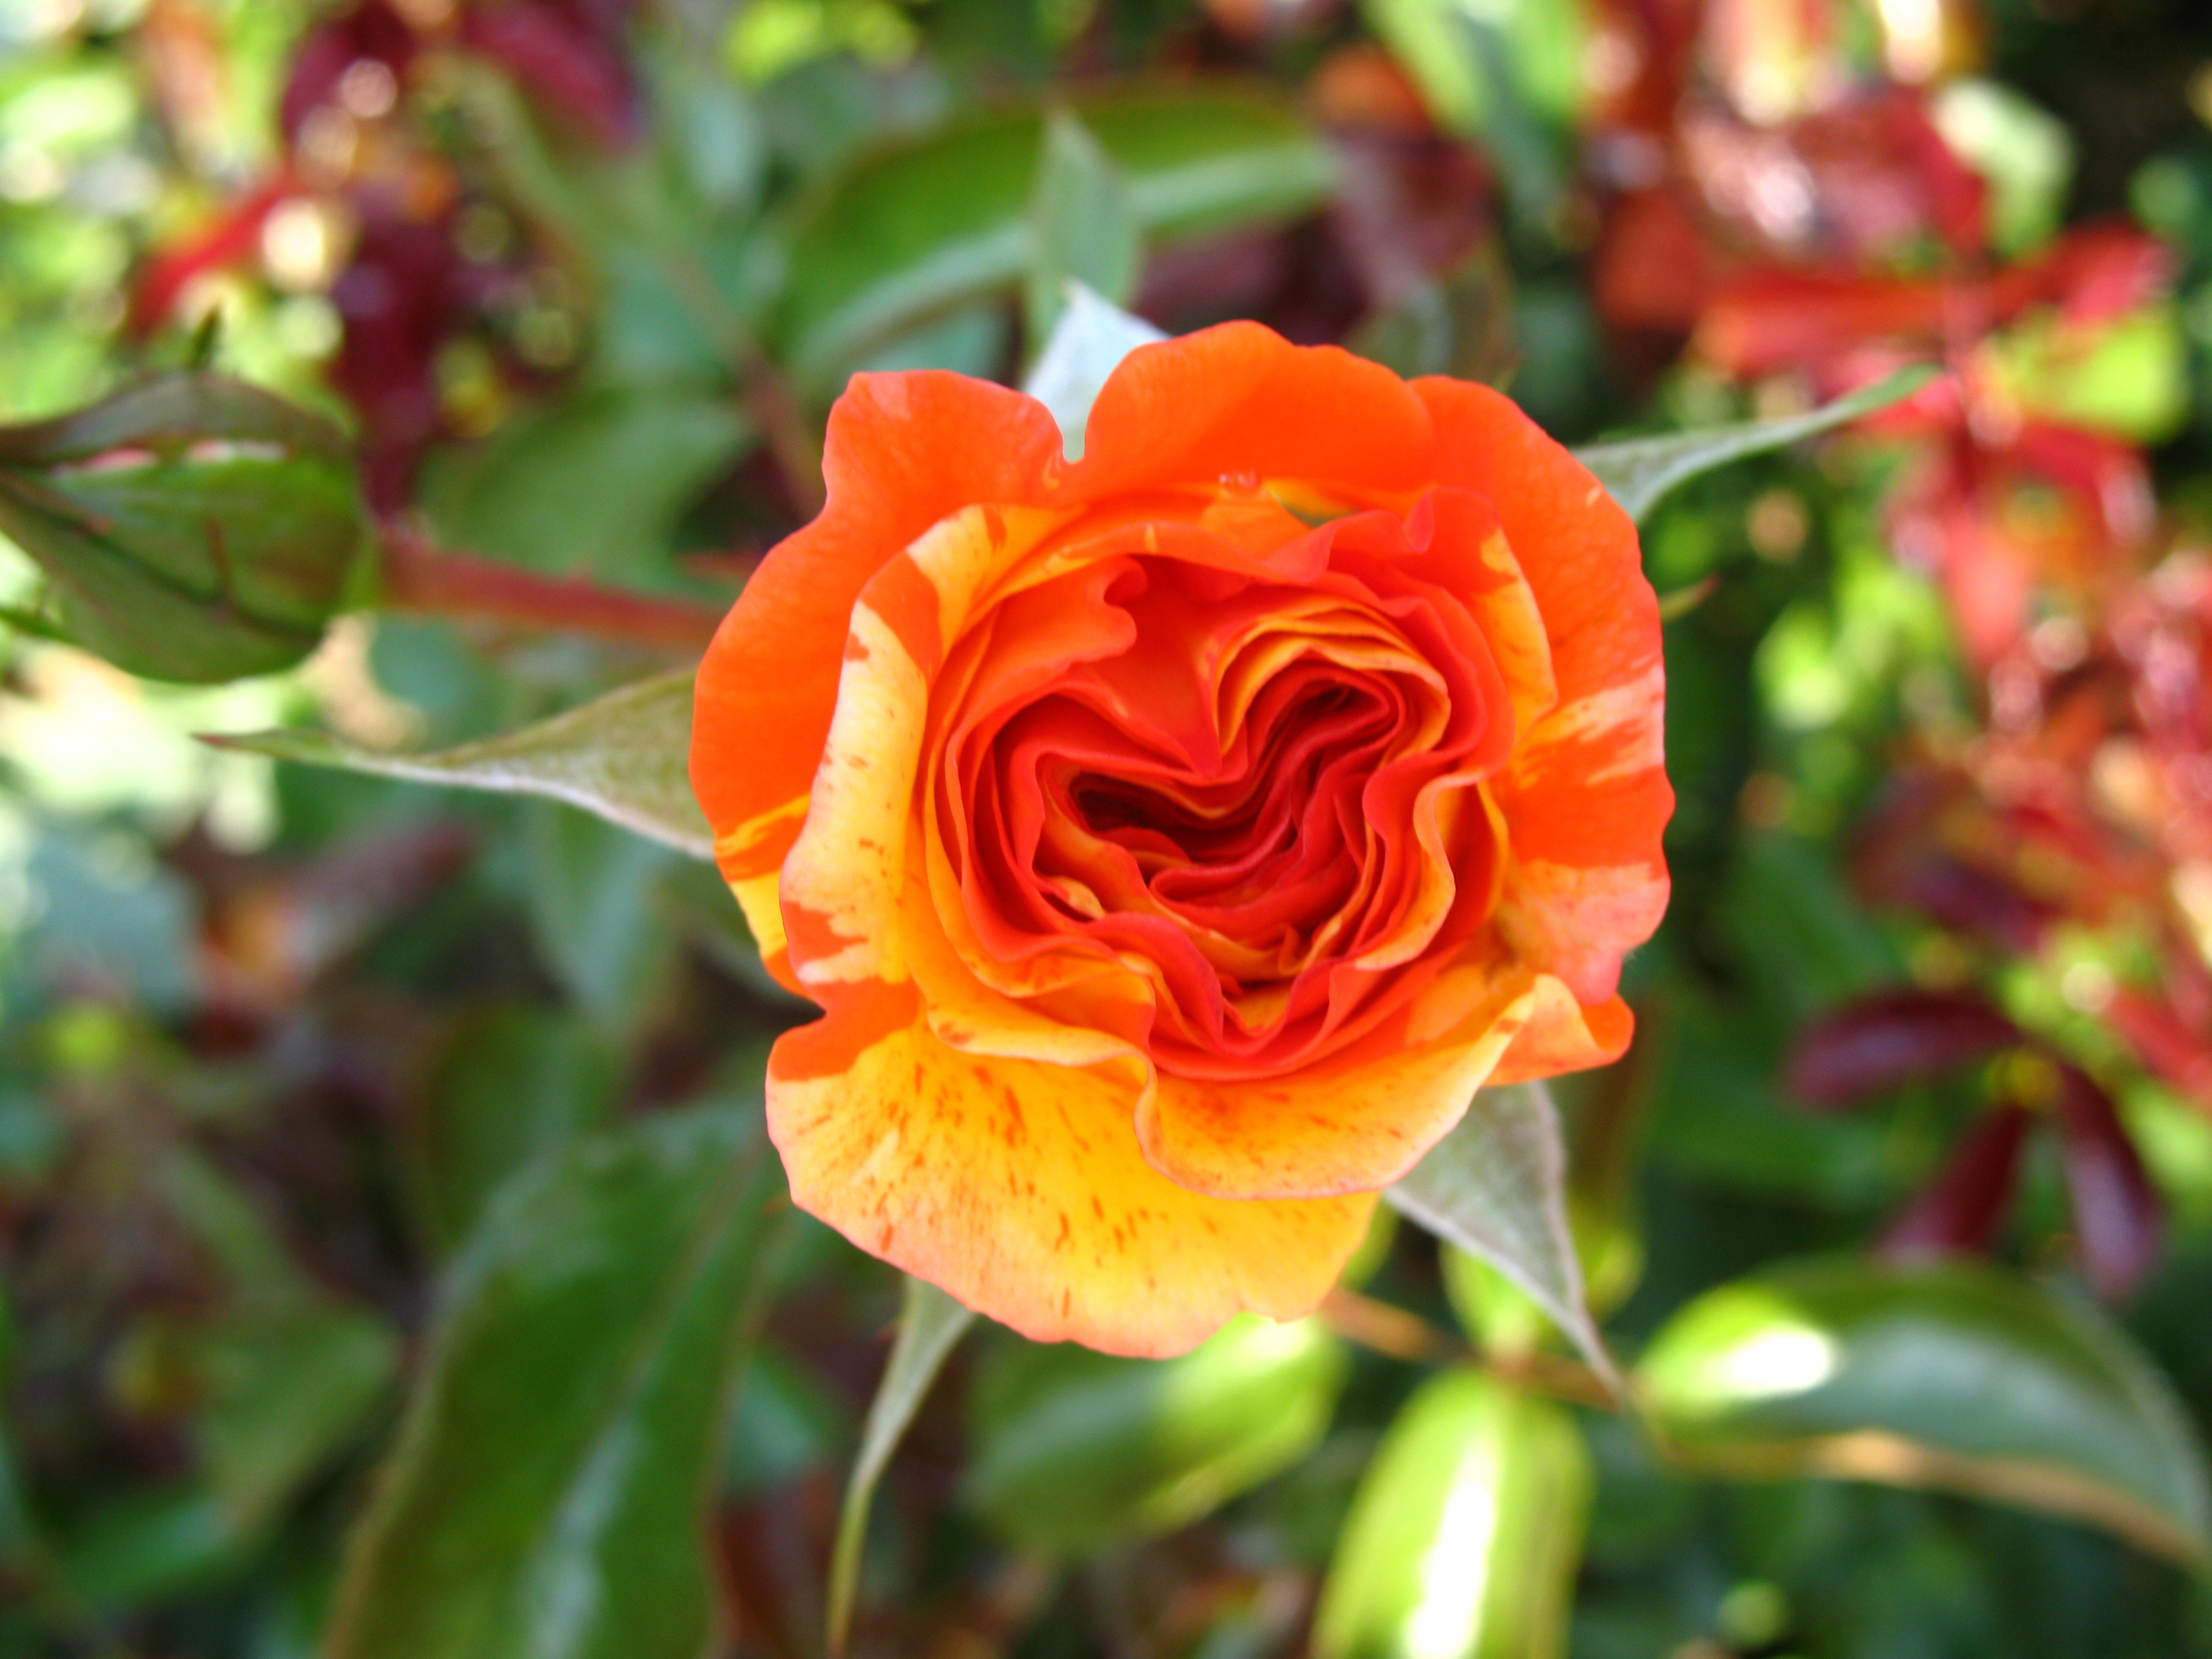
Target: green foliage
[[541, 1495], [1465, 1537], [914, 229], [1640, 471], [1496, 1186], [624, 755], [1083, 223], [1075, 1450], [1954, 1376], [930, 1322]]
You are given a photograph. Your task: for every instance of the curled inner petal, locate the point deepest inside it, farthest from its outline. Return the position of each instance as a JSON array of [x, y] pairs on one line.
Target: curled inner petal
[[1216, 783]]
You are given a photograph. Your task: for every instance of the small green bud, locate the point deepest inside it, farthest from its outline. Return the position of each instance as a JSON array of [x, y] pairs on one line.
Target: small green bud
[[193, 527]]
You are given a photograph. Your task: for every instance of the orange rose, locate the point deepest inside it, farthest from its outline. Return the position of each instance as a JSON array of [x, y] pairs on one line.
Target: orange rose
[[1176, 838]]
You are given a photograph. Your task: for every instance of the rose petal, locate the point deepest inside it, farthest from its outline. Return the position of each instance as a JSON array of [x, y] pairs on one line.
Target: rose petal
[[1359, 1121], [1018, 1188], [1586, 795], [903, 451], [1239, 400]]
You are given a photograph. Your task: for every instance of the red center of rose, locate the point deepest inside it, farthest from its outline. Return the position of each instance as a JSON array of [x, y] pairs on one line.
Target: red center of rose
[[1230, 809]]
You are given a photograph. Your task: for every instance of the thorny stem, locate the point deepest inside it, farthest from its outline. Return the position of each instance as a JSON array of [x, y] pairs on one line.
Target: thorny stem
[[420, 578], [1402, 1335]]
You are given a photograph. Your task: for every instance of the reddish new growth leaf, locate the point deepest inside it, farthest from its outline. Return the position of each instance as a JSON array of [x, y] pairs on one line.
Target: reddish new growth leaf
[[1959, 1213], [1885, 1041], [568, 53], [2117, 1218]]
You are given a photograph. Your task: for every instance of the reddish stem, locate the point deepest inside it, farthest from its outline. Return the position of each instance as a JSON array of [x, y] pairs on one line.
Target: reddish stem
[[425, 580]]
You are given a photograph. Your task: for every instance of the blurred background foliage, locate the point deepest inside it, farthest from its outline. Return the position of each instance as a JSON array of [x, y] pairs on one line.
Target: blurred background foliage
[[392, 1263]]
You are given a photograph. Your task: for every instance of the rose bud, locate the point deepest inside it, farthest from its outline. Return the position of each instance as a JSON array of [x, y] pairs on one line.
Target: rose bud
[[193, 527], [1176, 838]]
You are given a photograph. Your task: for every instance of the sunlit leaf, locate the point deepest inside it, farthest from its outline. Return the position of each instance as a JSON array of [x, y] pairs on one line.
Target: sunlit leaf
[[1074, 1450], [914, 229], [1640, 470], [1955, 1376], [1496, 1186], [624, 755], [930, 1322], [545, 1498], [1464, 1539]]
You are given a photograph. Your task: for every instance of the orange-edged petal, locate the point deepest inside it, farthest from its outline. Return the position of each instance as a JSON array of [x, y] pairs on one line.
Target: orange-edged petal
[[1239, 402], [1361, 1121], [1560, 1035], [1586, 796], [903, 451], [1018, 1188]]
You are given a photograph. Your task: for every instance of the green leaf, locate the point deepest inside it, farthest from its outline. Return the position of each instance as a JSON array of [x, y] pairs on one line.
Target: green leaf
[[1086, 346], [20, 1549], [1640, 470], [1084, 227], [545, 1495], [286, 1370], [506, 1082], [1464, 1538], [1074, 1450], [1955, 1376], [193, 527], [788, 1423], [595, 481], [149, 1546], [917, 228], [287, 1387], [1496, 1186], [593, 896], [930, 1322], [624, 755]]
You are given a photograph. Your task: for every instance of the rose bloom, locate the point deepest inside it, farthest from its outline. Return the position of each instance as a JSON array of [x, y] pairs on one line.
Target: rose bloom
[[1176, 838]]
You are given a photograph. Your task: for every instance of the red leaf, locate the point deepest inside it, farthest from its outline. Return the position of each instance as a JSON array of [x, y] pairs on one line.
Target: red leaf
[[564, 55], [2118, 1217], [1775, 320], [1959, 1213], [1886, 1040], [2093, 274], [371, 32]]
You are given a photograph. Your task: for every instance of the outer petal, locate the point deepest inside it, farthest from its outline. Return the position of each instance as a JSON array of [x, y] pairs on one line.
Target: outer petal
[[1015, 1183], [1018, 1188], [902, 452], [1586, 798], [1359, 1122], [1562, 1035], [1240, 401]]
